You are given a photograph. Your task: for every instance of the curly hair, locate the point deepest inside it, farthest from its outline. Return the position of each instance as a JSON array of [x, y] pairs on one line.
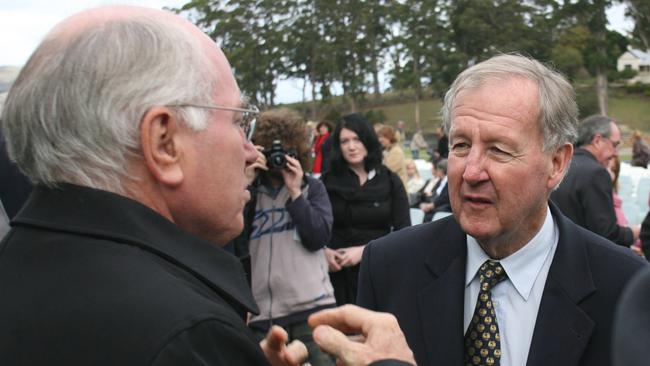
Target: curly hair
[[285, 125]]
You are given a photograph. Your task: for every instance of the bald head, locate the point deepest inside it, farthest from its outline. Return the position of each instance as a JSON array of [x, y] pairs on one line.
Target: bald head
[[73, 113], [98, 17]]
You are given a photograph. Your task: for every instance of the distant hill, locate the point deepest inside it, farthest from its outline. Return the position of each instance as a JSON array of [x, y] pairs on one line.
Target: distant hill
[[7, 76]]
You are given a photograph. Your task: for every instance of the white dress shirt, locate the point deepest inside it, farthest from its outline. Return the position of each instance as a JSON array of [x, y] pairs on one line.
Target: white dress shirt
[[516, 300]]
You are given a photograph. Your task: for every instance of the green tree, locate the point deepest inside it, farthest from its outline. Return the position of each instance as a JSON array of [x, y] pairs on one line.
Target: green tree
[[639, 10], [481, 28], [592, 14], [419, 35], [250, 33], [568, 49]]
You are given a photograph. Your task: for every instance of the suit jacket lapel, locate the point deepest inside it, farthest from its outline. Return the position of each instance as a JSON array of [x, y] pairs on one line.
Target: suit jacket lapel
[[441, 301], [562, 329]]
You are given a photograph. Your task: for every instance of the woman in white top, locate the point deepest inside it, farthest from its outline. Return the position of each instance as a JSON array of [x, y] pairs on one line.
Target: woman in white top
[[414, 182]]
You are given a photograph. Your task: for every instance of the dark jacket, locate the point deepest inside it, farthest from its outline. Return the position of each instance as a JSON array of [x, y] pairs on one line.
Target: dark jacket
[[88, 277], [585, 196], [440, 201], [632, 323], [361, 214], [443, 147], [418, 274], [645, 236], [15, 187]]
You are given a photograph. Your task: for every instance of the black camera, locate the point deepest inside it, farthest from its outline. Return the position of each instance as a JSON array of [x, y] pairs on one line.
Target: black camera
[[275, 156]]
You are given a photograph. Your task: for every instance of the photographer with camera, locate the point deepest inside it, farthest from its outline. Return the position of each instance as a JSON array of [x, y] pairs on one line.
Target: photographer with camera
[[287, 223]]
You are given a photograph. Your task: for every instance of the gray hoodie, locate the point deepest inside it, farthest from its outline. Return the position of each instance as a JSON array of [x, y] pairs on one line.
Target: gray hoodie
[[288, 265]]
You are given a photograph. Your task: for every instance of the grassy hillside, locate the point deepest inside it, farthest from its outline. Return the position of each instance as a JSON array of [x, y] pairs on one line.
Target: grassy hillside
[[631, 111]]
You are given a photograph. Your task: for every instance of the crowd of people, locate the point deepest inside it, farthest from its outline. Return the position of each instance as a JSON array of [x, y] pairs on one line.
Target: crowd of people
[[172, 223]]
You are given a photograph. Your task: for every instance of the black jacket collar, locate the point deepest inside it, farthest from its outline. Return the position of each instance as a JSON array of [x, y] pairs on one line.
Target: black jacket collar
[[584, 152], [101, 214]]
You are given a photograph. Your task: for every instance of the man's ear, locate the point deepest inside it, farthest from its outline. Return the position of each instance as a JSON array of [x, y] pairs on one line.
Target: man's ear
[[161, 145], [560, 161]]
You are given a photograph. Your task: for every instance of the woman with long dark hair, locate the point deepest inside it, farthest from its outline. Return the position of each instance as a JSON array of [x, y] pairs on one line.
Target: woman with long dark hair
[[368, 201]]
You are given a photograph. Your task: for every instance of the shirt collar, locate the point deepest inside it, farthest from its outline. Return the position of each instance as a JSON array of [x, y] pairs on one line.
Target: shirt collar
[[442, 184], [524, 265]]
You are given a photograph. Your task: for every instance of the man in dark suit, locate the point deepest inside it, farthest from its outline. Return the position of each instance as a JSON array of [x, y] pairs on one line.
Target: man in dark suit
[[585, 195], [507, 280], [632, 323], [433, 200]]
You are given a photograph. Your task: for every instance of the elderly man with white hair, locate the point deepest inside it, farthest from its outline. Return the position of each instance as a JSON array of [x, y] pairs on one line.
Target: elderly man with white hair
[[133, 128]]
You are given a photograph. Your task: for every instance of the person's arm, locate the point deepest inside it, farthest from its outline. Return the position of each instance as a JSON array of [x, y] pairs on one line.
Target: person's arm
[[312, 216], [399, 204], [380, 340], [600, 216]]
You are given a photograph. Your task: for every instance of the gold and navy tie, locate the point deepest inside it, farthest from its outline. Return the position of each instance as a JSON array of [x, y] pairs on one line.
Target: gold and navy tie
[[482, 340]]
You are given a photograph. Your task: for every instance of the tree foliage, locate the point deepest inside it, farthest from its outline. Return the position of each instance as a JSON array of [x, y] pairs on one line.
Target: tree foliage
[[419, 45]]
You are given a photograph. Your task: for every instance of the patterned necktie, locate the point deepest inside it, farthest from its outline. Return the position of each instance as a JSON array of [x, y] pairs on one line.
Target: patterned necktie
[[482, 340]]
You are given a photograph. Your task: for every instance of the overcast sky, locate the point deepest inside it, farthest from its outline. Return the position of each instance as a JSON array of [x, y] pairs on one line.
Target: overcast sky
[[23, 23]]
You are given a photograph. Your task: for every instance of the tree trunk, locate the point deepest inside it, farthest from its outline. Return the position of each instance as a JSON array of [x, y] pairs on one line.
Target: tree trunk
[[601, 91], [417, 114], [313, 98], [353, 104], [272, 95], [599, 30], [418, 91], [375, 74]]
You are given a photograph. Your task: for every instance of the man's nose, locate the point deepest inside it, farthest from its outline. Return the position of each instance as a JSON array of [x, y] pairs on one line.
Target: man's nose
[[475, 172], [250, 151]]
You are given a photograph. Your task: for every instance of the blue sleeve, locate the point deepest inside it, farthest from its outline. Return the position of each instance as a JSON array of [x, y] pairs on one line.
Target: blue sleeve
[[312, 216]]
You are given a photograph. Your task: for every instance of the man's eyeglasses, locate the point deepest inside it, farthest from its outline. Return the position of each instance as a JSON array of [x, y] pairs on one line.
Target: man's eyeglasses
[[246, 122]]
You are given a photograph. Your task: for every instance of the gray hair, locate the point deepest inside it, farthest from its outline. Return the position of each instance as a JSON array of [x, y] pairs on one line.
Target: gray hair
[[442, 165], [73, 113], [558, 111], [592, 126]]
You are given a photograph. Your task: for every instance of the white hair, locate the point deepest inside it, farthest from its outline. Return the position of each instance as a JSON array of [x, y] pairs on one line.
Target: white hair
[[558, 111], [73, 113]]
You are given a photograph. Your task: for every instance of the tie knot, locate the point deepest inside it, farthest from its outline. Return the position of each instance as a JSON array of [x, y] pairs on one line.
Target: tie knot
[[491, 273]]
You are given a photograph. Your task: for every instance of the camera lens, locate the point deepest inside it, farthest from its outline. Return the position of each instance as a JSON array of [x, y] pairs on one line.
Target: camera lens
[[279, 161], [275, 156]]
